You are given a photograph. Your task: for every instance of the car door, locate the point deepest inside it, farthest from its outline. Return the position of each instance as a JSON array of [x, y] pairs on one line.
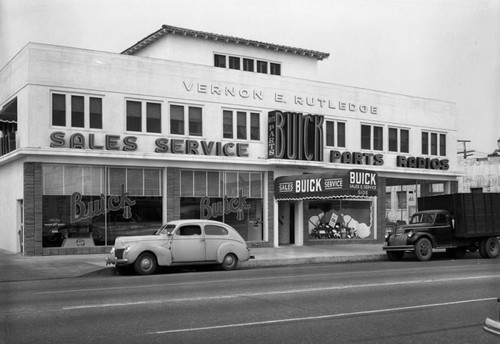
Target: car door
[[188, 244]]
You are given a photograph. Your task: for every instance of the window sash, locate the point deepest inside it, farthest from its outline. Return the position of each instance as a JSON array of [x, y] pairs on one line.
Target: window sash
[[442, 144], [77, 112], [177, 119], [340, 134], [59, 109], [195, 121], [393, 140], [153, 118], [134, 116], [365, 137], [262, 67], [227, 124], [378, 138], [405, 141], [95, 115], [254, 126], [434, 144], [220, 61], [425, 143], [330, 133], [241, 125], [248, 65], [234, 62], [275, 69]]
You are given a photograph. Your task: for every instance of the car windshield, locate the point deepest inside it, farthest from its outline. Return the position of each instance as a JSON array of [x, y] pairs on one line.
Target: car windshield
[[165, 229], [422, 218]]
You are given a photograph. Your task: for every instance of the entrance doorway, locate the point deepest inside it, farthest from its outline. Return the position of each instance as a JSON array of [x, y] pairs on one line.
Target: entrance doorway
[[286, 223]]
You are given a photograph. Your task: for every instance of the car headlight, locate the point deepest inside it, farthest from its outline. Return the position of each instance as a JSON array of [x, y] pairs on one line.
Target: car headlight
[[127, 249], [112, 250], [410, 234]]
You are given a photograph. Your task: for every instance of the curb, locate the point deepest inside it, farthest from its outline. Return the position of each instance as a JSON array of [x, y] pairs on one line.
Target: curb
[[250, 264]]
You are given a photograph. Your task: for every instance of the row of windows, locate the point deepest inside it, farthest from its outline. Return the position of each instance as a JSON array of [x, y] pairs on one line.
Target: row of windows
[[372, 138], [145, 116], [247, 64]]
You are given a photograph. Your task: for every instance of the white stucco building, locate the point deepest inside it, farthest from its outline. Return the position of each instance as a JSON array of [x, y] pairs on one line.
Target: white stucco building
[[193, 124]]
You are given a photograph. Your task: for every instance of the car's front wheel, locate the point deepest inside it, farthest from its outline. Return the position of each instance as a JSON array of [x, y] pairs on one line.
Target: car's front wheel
[[229, 262], [145, 264]]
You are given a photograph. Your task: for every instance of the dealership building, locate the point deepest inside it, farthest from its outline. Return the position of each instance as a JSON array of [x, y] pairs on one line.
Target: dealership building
[[189, 124]]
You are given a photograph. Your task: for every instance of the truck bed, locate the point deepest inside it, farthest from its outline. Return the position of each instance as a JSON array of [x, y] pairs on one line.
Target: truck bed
[[476, 214]]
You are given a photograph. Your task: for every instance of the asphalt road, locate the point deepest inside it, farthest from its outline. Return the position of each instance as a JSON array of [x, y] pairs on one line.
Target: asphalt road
[[441, 301]]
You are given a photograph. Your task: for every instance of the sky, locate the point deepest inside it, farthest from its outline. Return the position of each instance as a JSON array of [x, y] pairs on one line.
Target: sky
[[439, 49]]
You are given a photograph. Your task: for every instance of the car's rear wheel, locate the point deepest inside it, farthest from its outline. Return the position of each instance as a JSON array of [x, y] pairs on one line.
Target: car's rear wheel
[[395, 255], [145, 264], [423, 249], [229, 262]]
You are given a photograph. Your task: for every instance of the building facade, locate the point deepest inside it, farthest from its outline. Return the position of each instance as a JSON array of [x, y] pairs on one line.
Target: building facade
[[188, 124]]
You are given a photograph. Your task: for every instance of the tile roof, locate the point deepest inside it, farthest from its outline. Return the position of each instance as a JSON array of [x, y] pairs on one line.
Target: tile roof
[[167, 29]]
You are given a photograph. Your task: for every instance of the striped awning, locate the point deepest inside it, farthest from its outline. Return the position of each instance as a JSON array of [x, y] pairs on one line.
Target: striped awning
[[8, 113], [336, 184]]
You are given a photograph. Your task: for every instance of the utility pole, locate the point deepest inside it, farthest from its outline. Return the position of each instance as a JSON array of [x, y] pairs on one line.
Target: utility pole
[[465, 151]]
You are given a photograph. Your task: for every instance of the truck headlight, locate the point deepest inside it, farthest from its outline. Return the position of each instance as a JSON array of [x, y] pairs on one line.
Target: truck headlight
[[112, 251], [127, 249], [410, 234]]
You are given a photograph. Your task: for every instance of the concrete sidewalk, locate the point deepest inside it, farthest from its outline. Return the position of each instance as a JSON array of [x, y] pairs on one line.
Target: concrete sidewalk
[[14, 267]]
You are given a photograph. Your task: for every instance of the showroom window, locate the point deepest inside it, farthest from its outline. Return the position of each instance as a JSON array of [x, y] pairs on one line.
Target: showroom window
[[232, 197], [92, 205], [340, 219], [80, 111]]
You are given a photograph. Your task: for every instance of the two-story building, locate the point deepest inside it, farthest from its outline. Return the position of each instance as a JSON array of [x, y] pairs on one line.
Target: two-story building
[[189, 124]]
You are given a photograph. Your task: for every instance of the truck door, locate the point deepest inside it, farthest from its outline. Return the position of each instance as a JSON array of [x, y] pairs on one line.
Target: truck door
[[442, 229]]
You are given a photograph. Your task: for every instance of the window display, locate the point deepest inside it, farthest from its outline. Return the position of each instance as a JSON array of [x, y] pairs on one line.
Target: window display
[[340, 219], [85, 206], [235, 198]]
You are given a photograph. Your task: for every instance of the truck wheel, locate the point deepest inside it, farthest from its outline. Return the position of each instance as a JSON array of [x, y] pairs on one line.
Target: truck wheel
[[456, 253], [423, 249], [145, 264], [489, 248], [395, 255]]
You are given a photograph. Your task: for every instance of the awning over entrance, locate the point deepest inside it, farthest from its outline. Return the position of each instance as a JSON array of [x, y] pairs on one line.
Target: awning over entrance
[[337, 184]]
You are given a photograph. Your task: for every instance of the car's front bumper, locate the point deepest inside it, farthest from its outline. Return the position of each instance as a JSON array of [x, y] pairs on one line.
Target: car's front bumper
[[112, 259]]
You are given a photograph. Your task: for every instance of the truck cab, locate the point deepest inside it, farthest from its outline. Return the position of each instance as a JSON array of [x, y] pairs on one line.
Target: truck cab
[[427, 230]]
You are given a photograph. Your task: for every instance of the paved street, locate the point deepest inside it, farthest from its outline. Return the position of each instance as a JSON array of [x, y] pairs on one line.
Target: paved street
[[441, 301]]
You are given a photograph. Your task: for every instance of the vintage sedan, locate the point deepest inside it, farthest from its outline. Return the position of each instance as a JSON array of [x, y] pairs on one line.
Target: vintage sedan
[[182, 242]]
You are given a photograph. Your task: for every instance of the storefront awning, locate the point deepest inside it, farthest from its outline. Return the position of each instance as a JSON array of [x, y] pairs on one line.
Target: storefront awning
[[338, 184], [8, 113]]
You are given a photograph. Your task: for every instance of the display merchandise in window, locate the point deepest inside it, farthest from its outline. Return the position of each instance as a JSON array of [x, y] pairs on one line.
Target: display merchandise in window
[[340, 219]]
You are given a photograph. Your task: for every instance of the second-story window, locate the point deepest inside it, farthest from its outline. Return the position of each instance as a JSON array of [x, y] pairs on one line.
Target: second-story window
[[335, 134], [433, 143], [242, 125], [248, 65], [372, 137], [399, 140], [186, 119], [151, 120], [80, 111]]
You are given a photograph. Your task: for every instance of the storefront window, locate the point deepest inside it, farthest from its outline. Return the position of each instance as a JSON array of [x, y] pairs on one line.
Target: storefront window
[[235, 198], [341, 219], [93, 205]]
